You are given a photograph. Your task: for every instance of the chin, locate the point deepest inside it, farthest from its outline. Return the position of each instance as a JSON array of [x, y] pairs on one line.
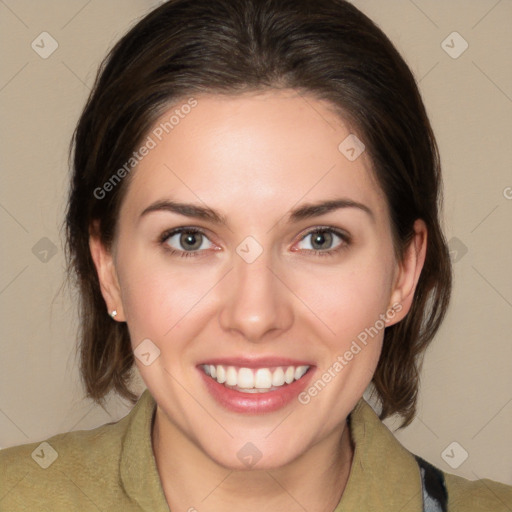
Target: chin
[[253, 456]]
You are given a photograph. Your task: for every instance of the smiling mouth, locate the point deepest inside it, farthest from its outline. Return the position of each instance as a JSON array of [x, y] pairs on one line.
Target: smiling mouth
[[254, 380]]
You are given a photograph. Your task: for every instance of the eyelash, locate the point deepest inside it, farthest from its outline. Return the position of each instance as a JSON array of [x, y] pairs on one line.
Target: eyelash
[[346, 240]]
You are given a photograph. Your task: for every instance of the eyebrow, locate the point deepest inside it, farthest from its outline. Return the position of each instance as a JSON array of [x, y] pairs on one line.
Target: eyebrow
[[302, 212]]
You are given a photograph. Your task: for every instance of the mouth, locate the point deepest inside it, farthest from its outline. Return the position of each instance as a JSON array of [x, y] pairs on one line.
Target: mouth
[[255, 387], [254, 380]]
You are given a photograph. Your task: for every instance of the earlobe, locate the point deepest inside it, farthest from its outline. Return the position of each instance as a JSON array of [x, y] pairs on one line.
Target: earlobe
[[409, 271], [107, 276]]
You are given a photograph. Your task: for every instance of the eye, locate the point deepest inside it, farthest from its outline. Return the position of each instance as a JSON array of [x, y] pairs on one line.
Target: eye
[[185, 241], [322, 240]]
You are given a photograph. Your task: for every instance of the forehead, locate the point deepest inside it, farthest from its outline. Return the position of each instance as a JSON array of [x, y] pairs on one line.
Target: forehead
[[253, 153]]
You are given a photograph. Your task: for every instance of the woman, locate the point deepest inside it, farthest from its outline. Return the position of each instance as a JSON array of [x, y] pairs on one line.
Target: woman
[[254, 222]]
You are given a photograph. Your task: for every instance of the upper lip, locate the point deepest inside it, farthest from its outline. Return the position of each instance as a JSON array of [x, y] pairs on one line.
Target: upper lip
[[255, 362]]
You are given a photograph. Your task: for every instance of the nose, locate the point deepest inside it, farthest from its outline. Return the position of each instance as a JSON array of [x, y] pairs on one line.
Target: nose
[[256, 303]]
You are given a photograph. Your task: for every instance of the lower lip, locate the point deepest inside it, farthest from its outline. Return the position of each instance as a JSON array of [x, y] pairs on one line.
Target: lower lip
[[256, 403]]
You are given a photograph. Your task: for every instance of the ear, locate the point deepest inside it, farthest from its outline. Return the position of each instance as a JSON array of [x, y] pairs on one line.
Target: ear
[[409, 270], [107, 275]]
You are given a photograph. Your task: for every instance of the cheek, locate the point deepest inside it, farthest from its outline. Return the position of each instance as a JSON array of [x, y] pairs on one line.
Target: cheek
[[350, 303], [350, 299], [164, 300]]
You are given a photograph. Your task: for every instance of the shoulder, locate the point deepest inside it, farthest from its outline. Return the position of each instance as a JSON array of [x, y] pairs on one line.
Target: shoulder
[[61, 469], [460, 494], [477, 495], [399, 471]]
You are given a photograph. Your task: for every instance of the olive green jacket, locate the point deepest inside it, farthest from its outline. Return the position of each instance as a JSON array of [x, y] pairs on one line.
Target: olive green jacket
[[112, 468]]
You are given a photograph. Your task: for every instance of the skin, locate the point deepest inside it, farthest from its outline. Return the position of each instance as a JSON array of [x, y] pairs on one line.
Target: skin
[[253, 158]]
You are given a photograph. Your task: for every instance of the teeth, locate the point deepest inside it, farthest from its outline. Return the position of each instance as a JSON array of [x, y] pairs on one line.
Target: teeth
[[263, 379], [278, 377], [299, 372], [255, 380], [231, 376], [221, 374], [245, 378], [289, 375]]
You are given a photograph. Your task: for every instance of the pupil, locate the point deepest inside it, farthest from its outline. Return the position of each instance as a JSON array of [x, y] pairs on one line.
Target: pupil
[[320, 238], [189, 239]]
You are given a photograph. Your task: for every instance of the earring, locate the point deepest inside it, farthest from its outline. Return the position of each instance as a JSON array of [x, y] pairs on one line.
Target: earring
[[113, 314]]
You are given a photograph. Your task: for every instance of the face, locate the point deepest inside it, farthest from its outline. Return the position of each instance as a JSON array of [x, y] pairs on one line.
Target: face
[[256, 314]]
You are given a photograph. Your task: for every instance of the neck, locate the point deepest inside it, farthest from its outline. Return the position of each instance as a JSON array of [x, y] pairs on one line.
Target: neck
[[191, 480]]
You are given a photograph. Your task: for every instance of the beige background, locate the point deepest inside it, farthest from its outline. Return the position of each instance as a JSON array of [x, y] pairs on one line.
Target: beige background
[[466, 393]]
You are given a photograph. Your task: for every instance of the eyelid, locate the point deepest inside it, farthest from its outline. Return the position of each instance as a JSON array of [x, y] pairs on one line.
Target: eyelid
[[337, 231]]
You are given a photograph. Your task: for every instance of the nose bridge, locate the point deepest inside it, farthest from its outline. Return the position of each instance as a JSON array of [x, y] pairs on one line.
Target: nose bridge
[[255, 300]]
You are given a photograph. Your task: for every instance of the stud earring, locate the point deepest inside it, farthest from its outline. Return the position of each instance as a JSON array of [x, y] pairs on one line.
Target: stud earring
[[113, 314]]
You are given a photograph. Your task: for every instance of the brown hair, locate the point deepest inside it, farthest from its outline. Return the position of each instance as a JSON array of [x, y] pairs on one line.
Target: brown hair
[[326, 48]]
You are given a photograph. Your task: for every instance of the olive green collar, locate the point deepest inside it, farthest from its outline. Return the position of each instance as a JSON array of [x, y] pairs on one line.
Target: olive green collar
[[384, 475]]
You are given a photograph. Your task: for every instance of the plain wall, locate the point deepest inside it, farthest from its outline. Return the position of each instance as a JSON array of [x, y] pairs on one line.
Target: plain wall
[[466, 392]]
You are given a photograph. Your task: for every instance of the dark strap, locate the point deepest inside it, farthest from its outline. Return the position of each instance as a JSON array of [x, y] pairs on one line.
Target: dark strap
[[435, 495]]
